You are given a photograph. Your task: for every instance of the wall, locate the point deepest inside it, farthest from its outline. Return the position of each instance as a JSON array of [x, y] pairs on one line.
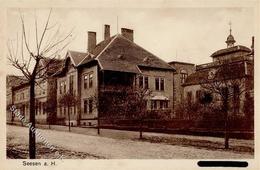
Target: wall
[[168, 84], [73, 112], [88, 93], [177, 85]]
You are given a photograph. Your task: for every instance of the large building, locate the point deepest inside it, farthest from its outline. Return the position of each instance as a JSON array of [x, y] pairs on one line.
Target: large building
[[106, 68]]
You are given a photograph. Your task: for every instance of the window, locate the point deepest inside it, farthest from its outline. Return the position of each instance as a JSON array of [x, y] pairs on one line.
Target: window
[[40, 107], [90, 104], [61, 86], [71, 84], [157, 83], [198, 95], [153, 104], [161, 104], [85, 106], [64, 110], [141, 84], [36, 108], [189, 97], [146, 82], [85, 81], [60, 110], [22, 96], [90, 80], [43, 108], [184, 75], [166, 104], [162, 84], [64, 87]]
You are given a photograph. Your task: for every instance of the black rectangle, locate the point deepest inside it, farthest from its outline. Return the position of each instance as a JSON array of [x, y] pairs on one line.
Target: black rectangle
[[222, 164]]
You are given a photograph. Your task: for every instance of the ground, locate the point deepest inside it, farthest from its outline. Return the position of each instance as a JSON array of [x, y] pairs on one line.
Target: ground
[[84, 143]]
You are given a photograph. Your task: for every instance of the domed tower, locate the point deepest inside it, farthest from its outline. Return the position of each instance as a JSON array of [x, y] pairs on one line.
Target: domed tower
[[230, 39]]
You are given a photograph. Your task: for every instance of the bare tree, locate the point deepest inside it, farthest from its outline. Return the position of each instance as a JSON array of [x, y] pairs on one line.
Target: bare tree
[[228, 82], [26, 57], [68, 100]]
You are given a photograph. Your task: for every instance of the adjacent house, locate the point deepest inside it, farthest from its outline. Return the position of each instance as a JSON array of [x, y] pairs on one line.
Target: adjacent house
[[45, 93], [231, 71]]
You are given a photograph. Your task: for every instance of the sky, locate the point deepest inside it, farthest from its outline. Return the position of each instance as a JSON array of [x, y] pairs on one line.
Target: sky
[[173, 34]]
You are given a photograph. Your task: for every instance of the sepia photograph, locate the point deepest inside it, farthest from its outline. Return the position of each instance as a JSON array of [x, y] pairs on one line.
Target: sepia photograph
[[129, 83]]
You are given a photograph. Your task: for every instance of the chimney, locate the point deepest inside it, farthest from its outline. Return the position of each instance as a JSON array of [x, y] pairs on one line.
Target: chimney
[[106, 32], [92, 40], [128, 33]]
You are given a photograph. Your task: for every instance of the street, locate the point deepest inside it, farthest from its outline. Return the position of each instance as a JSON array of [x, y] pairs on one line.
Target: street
[[104, 147]]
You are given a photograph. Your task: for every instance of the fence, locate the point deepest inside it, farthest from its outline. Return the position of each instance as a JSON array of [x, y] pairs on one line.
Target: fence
[[237, 128]]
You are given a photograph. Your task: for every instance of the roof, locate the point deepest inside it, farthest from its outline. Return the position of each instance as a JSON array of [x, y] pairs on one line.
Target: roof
[[117, 53], [180, 62], [230, 50], [77, 57], [230, 71], [14, 81], [120, 54], [53, 65]]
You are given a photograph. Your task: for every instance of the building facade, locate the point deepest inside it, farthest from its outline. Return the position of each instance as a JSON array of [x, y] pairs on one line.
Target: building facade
[[183, 70], [231, 70], [108, 68], [45, 94]]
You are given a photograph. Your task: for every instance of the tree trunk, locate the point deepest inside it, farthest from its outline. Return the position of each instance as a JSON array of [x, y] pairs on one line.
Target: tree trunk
[[69, 116], [49, 121], [32, 147], [141, 129], [98, 126], [226, 132], [226, 123], [12, 120]]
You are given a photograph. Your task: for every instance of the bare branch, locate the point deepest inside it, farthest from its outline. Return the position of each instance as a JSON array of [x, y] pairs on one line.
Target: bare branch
[[45, 29], [36, 33], [24, 34]]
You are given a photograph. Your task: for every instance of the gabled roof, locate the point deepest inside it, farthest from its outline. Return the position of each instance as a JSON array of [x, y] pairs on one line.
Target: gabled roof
[[77, 57], [120, 54], [117, 53], [230, 50]]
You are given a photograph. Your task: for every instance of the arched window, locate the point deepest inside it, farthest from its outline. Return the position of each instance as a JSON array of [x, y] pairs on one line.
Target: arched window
[[184, 75]]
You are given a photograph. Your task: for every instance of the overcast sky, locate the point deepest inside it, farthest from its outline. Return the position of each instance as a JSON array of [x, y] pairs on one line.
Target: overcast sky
[[173, 34]]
